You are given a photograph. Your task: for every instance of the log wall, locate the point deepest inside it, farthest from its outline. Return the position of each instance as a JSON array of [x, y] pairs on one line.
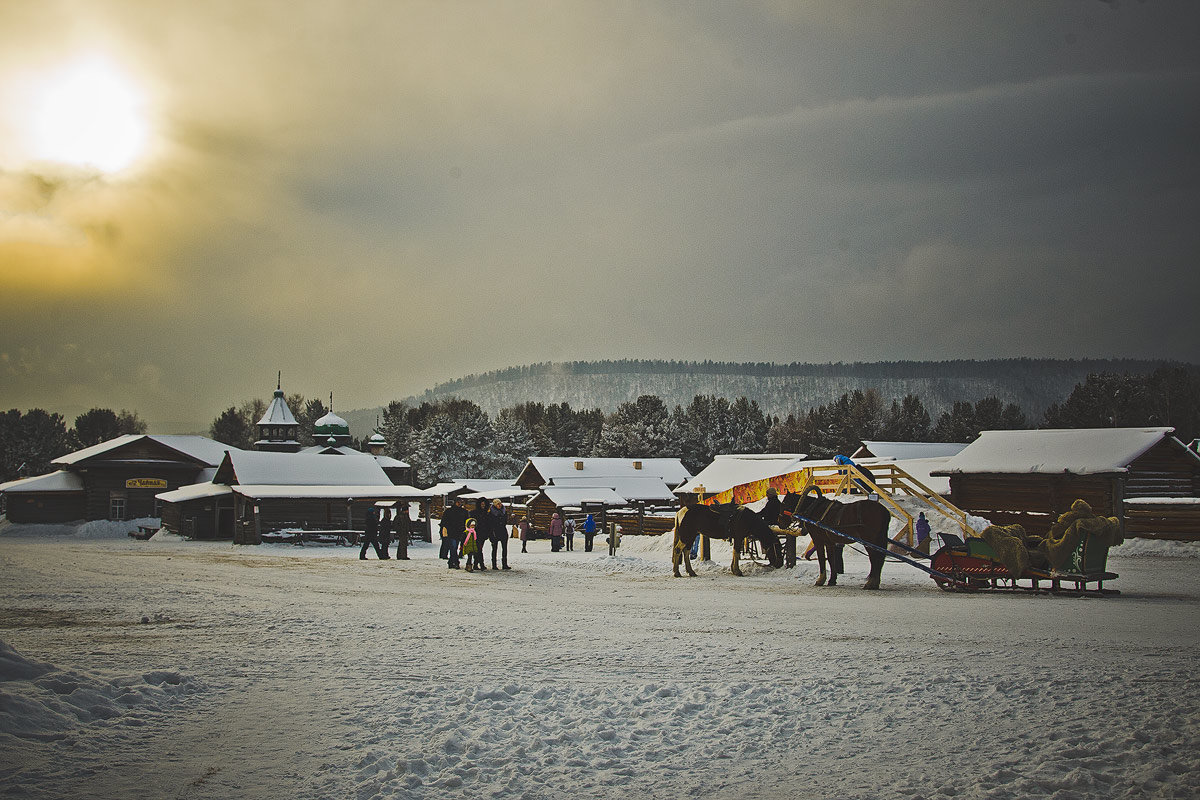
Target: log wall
[[1034, 501], [1163, 521], [44, 507]]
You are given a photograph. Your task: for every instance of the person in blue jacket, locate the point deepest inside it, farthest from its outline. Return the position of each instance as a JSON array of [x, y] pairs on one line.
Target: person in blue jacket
[[589, 533]]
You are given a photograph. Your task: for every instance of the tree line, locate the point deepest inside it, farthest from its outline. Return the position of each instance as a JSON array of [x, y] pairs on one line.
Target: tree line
[[455, 438], [30, 441]]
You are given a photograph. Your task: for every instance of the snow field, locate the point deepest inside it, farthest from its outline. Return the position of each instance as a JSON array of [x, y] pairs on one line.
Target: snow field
[[303, 672]]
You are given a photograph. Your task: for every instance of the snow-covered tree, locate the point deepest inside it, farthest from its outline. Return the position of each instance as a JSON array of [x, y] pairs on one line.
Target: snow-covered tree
[[30, 441], [512, 445], [641, 428], [101, 424]]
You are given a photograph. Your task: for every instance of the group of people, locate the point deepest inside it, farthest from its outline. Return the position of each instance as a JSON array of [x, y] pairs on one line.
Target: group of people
[[465, 533], [562, 533], [377, 533]]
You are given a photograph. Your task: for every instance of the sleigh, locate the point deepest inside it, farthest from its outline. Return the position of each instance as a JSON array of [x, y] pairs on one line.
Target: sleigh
[[973, 565]]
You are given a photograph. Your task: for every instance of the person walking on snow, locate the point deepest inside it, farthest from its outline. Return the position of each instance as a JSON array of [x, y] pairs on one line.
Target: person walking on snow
[[371, 536], [523, 530], [556, 532], [922, 532], [498, 522], [569, 532], [589, 532], [470, 546], [454, 520], [484, 524]]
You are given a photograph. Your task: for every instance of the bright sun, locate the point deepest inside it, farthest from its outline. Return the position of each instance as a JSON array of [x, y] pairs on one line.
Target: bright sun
[[88, 114]]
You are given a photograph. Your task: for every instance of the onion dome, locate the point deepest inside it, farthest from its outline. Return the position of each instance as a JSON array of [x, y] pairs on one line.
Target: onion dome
[[331, 425]]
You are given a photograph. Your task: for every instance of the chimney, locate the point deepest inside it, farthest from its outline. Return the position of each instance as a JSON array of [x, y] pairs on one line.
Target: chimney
[[637, 465], [578, 465]]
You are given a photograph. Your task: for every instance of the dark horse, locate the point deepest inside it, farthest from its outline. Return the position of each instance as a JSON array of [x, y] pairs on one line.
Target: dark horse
[[866, 519], [733, 522]]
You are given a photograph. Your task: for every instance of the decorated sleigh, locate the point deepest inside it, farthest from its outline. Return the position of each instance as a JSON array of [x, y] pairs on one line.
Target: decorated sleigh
[[1071, 559]]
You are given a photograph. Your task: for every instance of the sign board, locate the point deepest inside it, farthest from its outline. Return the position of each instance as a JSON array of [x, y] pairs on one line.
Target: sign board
[[146, 483]]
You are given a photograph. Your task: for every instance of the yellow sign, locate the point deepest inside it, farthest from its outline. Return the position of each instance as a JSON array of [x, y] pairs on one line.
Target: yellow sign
[[146, 483]]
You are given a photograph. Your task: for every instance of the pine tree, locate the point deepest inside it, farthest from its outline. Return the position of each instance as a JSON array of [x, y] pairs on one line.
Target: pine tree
[[230, 428], [512, 445], [748, 427], [30, 441], [102, 424]]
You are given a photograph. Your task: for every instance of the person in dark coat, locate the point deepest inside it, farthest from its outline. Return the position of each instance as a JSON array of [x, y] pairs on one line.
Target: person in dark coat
[[497, 518], [400, 529], [385, 529], [454, 525], [770, 511], [483, 526], [371, 535]]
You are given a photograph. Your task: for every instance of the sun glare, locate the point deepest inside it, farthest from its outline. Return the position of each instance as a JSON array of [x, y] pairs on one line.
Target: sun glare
[[89, 114]]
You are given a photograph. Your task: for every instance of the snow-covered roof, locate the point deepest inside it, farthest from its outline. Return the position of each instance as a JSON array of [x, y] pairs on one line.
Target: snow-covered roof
[[727, 471], [329, 492], [345, 450], [905, 450], [647, 487], [503, 493], [198, 448], [574, 497], [670, 470], [196, 491], [61, 481], [387, 462], [470, 485], [294, 469], [1088, 451], [278, 412]]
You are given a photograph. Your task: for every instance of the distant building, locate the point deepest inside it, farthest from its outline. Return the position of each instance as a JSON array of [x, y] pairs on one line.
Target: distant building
[[1143, 476], [252, 493], [117, 479]]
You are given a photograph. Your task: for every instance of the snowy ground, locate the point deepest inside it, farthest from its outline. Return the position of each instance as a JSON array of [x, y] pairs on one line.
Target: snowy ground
[[202, 670]]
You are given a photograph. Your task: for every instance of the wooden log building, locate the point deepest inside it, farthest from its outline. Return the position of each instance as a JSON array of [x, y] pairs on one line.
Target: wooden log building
[[1145, 477], [118, 479], [252, 493]]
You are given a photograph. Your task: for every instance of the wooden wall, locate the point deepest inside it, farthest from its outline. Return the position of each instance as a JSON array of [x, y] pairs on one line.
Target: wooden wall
[[101, 480], [1034, 501], [1166, 470], [202, 518], [1163, 521], [43, 507]]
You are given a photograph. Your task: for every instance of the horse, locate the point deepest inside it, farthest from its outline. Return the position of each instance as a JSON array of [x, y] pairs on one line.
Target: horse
[[865, 519], [733, 522]]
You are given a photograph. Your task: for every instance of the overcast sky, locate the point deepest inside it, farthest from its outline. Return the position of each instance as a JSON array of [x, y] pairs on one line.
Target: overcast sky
[[377, 196]]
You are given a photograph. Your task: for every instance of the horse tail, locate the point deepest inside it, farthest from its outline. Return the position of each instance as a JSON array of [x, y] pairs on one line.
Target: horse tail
[[678, 525]]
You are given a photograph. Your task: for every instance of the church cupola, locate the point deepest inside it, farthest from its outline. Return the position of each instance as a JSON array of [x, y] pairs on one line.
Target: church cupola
[[278, 428], [334, 427]]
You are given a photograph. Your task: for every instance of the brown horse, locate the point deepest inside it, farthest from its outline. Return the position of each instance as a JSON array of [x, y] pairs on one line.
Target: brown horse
[[866, 519], [732, 522]]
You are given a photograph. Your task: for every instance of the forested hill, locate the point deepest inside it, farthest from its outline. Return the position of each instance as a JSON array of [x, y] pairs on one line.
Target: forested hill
[[779, 389]]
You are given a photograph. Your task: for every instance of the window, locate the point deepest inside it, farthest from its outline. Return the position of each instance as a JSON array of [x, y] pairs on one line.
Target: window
[[116, 508]]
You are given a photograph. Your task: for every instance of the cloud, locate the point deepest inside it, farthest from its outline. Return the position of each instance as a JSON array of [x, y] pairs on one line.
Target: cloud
[[378, 197]]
